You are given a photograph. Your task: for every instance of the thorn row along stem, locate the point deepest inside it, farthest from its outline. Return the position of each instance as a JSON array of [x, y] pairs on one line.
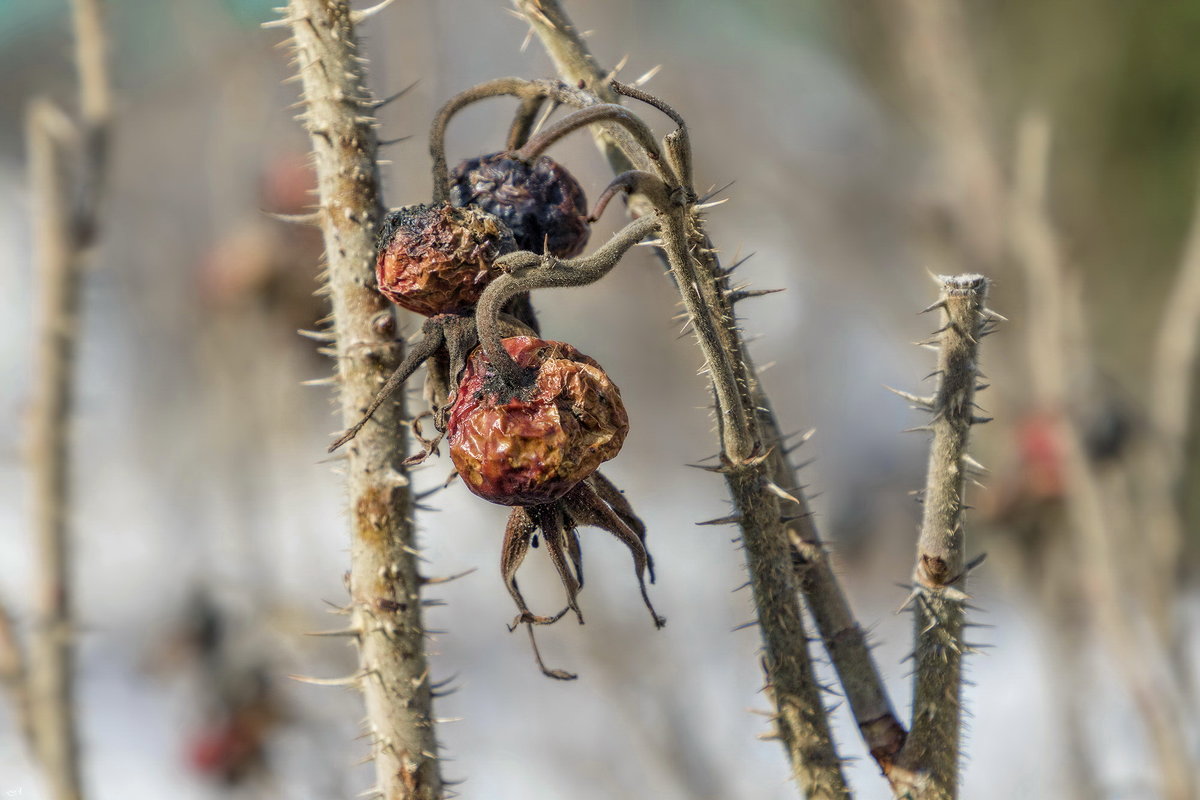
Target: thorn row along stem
[[384, 581], [939, 578]]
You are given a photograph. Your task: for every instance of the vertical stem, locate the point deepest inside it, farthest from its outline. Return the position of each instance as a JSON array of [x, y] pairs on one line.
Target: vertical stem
[[51, 656], [933, 743], [384, 582]]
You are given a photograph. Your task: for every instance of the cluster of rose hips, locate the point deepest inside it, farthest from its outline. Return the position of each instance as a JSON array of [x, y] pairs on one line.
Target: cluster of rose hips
[[529, 420]]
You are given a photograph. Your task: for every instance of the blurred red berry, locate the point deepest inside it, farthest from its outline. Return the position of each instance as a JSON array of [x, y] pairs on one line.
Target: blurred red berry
[[439, 259], [541, 202], [534, 447]]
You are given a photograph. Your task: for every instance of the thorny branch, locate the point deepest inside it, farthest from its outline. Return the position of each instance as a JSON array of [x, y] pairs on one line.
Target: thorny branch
[[927, 767], [774, 520], [384, 582]]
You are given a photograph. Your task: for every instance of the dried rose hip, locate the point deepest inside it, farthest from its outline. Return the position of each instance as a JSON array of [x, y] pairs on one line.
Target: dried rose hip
[[438, 259], [534, 447], [541, 202]]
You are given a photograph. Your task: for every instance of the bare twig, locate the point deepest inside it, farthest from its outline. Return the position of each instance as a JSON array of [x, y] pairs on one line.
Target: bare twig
[[58, 269], [935, 53], [932, 748], [65, 217], [1120, 572], [384, 582], [13, 677]]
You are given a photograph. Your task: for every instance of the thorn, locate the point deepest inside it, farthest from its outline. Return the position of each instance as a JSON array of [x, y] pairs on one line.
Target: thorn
[[711, 194], [390, 142], [349, 680], [316, 336], [916, 400], [744, 626], [329, 381], [981, 420], [279, 23], [722, 468], [974, 563], [358, 17], [311, 218], [650, 73], [973, 464], [378, 104], [738, 295], [918, 429], [732, 519], [447, 579], [355, 632], [779, 492]]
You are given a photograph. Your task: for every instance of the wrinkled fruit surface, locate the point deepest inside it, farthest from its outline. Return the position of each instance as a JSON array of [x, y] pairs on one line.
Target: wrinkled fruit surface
[[533, 448], [438, 259], [541, 202]]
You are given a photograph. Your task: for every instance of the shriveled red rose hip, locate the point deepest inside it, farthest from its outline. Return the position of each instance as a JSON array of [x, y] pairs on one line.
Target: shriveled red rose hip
[[541, 202], [534, 447], [438, 259]]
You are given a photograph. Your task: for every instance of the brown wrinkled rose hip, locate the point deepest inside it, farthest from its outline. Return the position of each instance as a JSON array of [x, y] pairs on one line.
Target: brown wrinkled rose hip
[[439, 259], [541, 202], [535, 447]]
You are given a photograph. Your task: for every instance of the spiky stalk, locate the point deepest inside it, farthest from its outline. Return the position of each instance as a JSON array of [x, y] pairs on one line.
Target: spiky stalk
[[384, 582], [929, 760], [843, 636]]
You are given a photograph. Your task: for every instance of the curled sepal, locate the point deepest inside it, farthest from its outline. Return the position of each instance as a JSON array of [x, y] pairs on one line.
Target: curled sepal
[[585, 506]]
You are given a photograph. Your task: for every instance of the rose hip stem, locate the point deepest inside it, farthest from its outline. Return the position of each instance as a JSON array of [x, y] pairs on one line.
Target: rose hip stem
[[524, 271], [634, 134]]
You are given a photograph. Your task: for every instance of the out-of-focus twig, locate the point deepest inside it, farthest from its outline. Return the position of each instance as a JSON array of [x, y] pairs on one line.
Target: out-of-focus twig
[[13, 676], [1177, 353], [934, 51], [931, 754], [66, 165], [385, 586], [1118, 573]]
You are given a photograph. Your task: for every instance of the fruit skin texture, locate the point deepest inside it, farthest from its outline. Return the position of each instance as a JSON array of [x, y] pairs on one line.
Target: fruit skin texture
[[541, 202], [534, 447], [439, 259]]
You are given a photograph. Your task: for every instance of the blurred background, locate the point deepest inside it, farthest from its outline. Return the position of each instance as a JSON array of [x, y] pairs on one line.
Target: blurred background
[[868, 144]]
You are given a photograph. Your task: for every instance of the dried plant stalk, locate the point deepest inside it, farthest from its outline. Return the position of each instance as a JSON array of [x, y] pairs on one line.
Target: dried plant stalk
[[51, 654], [928, 764], [66, 161], [1123, 577], [842, 635], [384, 582]]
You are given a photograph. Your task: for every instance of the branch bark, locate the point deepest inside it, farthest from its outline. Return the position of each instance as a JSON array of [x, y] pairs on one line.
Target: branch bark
[[384, 582]]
